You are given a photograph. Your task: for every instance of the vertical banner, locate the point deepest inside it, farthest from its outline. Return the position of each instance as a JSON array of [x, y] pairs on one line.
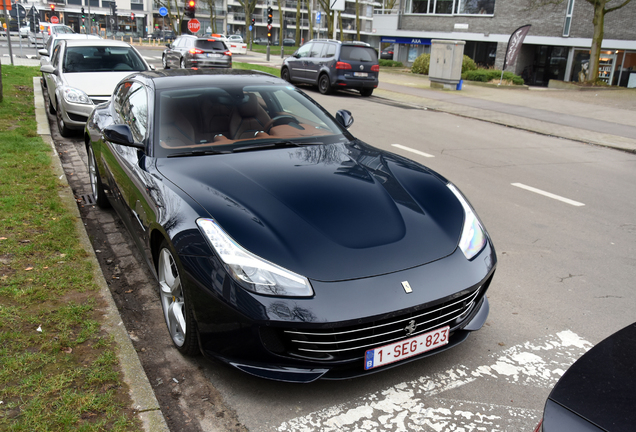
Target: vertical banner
[[514, 45]]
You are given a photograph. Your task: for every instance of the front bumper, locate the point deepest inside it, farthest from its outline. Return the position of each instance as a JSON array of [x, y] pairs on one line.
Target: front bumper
[[75, 115], [300, 340]]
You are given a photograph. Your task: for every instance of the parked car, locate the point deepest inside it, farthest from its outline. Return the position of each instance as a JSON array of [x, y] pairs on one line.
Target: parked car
[[162, 35], [47, 30], [24, 31], [235, 38], [387, 53], [82, 74], [282, 245], [51, 43], [189, 51], [596, 394], [260, 41], [331, 64]]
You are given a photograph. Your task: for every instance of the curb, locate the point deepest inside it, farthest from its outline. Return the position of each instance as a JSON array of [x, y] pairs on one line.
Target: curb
[[143, 397]]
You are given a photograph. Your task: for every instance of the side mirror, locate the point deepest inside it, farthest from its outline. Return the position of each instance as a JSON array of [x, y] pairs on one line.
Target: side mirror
[[48, 69], [121, 134], [43, 53], [345, 118], [296, 55], [169, 45]]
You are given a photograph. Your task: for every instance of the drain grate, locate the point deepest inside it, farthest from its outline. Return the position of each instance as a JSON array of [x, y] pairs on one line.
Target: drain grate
[[88, 199]]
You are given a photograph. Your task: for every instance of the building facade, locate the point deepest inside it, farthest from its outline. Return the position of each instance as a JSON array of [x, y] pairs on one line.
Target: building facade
[[557, 46]]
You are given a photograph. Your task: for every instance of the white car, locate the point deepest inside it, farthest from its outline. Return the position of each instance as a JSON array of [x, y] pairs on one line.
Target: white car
[[235, 38], [47, 30], [24, 31], [51, 43], [234, 46], [84, 73]]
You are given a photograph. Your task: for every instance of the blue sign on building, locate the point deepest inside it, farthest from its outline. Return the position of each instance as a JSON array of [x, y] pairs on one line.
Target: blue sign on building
[[406, 40], [163, 11]]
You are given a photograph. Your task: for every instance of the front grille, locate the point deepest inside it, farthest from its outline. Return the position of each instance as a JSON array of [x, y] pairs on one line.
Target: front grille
[[77, 117], [347, 343], [99, 100]]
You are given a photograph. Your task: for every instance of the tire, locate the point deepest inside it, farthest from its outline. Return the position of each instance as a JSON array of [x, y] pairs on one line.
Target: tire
[[366, 92], [183, 64], [324, 85], [96, 181], [61, 126], [177, 310], [284, 74], [165, 62], [51, 107]]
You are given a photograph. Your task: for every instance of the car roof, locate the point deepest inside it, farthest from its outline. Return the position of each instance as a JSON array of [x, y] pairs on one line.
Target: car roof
[[75, 36], [357, 43], [96, 42], [184, 78]]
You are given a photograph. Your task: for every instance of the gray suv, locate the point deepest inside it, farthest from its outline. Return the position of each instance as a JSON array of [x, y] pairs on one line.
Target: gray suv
[[331, 65]]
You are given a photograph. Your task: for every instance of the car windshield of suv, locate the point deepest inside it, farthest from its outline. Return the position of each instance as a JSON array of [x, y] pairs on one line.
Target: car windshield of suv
[[210, 44], [101, 59], [62, 30], [357, 53], [229, 118]]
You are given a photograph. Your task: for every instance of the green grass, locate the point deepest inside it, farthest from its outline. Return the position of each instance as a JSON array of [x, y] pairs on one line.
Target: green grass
[[274, 50], [58, 370], [250, 66]]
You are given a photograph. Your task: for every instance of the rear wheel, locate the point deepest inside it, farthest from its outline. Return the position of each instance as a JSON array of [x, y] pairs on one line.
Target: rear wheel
[[175, 304], [96, 181], [366, 92], [324, 85]]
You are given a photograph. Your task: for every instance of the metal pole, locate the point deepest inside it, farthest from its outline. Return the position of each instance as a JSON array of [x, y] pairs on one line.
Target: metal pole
[[17, 12], [8, 21]]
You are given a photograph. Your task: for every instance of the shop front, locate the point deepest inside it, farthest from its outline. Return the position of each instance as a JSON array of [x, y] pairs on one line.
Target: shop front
[[406, 49], [616, 67]]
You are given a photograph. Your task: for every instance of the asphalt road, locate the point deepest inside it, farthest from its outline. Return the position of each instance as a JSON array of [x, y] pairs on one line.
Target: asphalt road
[[566, 263]]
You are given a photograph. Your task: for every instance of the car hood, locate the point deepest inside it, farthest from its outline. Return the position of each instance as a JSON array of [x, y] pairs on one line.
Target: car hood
[[599, 386], [328, 212], [95, 83]]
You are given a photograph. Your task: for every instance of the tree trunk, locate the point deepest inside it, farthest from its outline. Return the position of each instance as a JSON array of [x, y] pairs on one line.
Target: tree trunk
[[297, 22], [358, 20], [281, 35], [310, 8], [597, 40]]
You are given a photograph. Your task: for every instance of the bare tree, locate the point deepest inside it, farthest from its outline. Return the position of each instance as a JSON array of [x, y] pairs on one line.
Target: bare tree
[[329, 14], [357, 20], [178, 20], [248, 6], [298, 22], [388, 5], [281, 36], [212, 6], [601, 8]]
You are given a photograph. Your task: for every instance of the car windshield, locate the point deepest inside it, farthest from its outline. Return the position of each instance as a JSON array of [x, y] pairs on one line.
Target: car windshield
[[210, 44], [228, 118], [358, 53], [102, 59], [62, 29]]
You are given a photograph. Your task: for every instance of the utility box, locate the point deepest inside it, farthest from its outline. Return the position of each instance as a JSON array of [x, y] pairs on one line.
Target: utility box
[[445, 70]]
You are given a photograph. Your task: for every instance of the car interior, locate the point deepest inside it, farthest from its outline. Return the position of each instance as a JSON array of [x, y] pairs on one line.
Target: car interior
[[101, 59], [216, 117]]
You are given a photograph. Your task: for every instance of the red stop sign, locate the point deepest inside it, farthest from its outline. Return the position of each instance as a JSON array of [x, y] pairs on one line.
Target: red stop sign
[[55, 20], [194, 25]]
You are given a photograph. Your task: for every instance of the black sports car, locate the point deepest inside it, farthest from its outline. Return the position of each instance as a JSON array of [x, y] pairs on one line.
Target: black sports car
[[283, 245], [596, 393]]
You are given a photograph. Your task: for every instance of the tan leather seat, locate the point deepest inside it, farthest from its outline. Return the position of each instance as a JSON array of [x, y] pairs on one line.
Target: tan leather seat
[[248, 119]]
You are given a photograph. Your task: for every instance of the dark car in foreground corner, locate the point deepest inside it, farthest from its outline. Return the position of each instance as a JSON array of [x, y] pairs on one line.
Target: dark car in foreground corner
[[333, 65], [189, 51], [597, 393], [283, 245]]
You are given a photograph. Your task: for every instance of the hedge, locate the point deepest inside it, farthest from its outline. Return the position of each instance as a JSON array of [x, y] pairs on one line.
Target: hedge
[[487, 75]]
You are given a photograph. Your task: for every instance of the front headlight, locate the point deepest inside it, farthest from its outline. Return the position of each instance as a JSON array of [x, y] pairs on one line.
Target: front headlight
[[73, 95], [473, 237], [251, 271]]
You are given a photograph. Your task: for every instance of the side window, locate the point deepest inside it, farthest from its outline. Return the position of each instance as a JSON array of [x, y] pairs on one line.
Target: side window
[[56, 56], [330, 51], [135, 111], [190, 42], [178, 42], [120, 96], [316, 49], [304, 50]]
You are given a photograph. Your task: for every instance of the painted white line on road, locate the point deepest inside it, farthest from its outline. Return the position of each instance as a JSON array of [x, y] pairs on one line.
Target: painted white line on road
[[424, 404], [548, 194], [413, 150]]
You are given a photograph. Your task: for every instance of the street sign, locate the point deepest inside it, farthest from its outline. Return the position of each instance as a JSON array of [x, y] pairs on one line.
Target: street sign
[[318, 17], [250, 28], [194, 25], [269, 26], [163, 11], [55, 20]]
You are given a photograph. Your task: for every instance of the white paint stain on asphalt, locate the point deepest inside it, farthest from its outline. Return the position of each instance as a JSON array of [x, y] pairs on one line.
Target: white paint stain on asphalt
[[420, 405]]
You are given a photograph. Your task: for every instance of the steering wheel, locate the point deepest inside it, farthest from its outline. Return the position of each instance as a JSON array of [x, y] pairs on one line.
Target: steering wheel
[[280, 120]]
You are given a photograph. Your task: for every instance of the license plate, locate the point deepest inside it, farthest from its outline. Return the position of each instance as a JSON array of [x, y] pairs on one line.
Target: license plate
[[361, 74], [214, 55], [406, 348]]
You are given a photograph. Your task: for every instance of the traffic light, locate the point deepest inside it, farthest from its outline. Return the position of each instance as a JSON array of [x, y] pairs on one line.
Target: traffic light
[[188, 9], [253, 22], [52, 7], [113, 8], [83, 16], [270, 16]]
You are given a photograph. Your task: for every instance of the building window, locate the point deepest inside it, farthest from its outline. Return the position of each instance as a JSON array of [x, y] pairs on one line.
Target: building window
[[452, 7], [568, 18]]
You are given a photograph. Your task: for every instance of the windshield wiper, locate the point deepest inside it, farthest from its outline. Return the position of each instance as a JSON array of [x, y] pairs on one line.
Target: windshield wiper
[[273, 145], [196, 153]]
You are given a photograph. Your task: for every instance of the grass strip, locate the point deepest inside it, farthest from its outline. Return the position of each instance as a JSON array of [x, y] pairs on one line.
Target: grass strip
[[58, 369]]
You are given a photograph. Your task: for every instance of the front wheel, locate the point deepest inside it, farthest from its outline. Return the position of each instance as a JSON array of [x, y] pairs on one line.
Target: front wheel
[[284, 74], [96, 181], [164, 60], [183, 65], [324, 85], [61, 126], [176, 306]]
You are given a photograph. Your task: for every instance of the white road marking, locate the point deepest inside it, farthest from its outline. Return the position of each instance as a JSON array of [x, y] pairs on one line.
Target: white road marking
[[400, 146], [548, 194], [420, 404]]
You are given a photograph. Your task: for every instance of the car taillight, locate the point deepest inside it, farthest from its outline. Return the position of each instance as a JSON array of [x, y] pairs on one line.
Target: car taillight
[[196, 51], [343, 65], [375, 68], [228, 53]]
